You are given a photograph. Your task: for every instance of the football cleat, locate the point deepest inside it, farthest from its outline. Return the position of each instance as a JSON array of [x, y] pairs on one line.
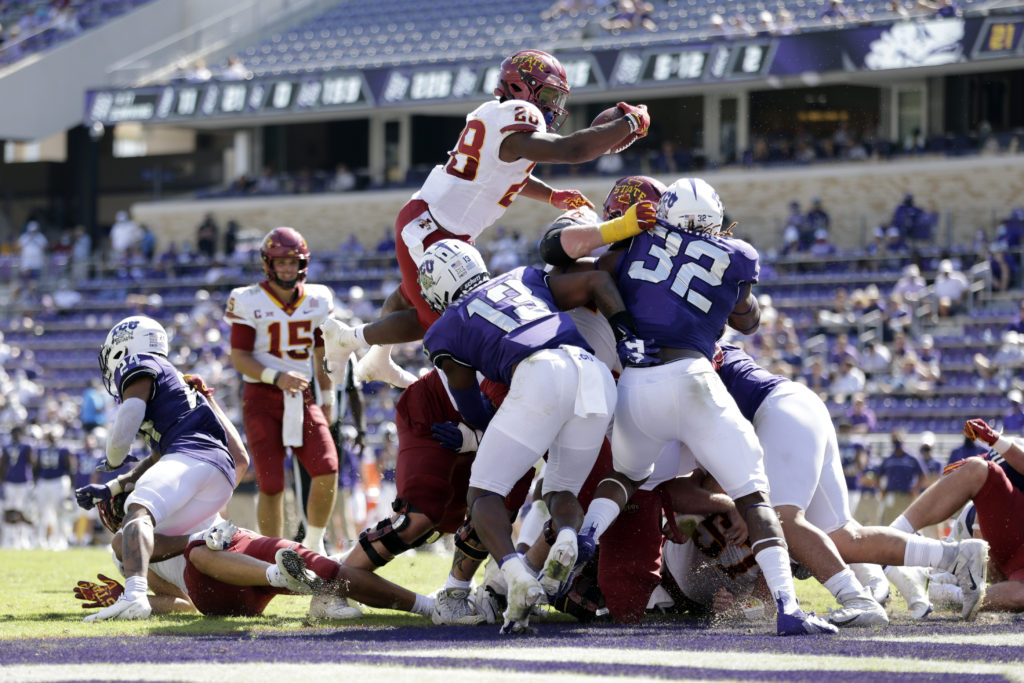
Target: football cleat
[[454, 606], [911, 582], [332, 607], [945, 595], [800, 623], [858, 611], [559, 564], [125, 609], [377, 365], [586, 546], [218, 536], [971, 571], [339, 342], [524, 591], [873, 578], [293, 571]]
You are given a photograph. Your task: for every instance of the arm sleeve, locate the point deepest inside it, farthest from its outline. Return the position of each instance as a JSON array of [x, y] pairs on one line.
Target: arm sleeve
[[474, 407], [122, 433]]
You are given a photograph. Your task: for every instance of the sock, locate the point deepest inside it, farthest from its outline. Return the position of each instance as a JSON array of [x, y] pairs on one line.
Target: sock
[[774, 564], [600, 515], [275, 578], [845, 583], [135, 587], [902, 524], [360, 333], [314, 539], [423, 605], [452, 582], [927, 552], [533, 522]]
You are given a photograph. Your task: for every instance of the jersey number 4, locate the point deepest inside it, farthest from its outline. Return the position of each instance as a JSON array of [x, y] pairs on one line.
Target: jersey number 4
[[464, 161], [687, 271]]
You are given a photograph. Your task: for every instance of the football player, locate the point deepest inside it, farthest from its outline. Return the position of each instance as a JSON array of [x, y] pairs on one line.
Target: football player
[[195, 460], [490, 165], [683, 282], [560, 398], [809, 492], [277, 347]]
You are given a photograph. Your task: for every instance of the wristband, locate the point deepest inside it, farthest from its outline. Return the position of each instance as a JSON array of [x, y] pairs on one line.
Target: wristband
[[1002, 445], [327, 398], [633, 120], [115, 487], [269, 376], [623, 227]]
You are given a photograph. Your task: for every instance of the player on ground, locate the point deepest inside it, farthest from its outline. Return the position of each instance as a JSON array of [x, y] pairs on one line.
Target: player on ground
[[683, 282], [191, 472], [489, 167], [802, 460], [277, 346], [996, 486], [560, 397]]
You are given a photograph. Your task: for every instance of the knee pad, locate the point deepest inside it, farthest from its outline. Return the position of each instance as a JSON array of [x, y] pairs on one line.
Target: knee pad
[[386, 533], [469, 543]]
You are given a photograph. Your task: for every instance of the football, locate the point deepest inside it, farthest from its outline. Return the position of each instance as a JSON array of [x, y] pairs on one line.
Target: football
[[609, 114]]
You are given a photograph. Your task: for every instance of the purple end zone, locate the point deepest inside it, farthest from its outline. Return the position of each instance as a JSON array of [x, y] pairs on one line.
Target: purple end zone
[[363, 645]]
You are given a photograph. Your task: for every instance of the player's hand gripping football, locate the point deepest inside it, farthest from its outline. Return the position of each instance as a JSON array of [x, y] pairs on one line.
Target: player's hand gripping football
[[568, 200], [89, 495], [98, 595], [978, 430]]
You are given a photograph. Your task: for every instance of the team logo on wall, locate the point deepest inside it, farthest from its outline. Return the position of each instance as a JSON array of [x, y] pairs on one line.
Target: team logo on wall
[[910, 44]]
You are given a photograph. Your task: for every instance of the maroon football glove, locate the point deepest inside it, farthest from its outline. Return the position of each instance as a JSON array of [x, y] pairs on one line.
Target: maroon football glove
[[100, 595], [978, 430], [646, 214], [568, 200], [197, 383], [639, 119]]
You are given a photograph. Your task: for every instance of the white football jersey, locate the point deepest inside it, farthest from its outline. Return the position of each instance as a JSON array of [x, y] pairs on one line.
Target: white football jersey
[[472, 190], [284, 334], [703, 565]]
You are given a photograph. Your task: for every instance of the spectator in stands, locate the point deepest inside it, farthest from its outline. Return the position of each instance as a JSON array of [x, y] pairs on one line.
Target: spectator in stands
[[913, 222], [942, 8], [147, 243], [951, 289], [795, 226], [843, 348], [1013, 421], [1001, 266], [835, 13], [267, 183], [876, 360], [631, 14], [386, 245], [230, 239], [1010, 354], [206, 237], [899, 476], [784, 24], [910, 376], [877, 246], [896, 11], [895, 244], [81, 253], [860, 416], [739, 27], [199, 73], [969, 449], [561, 7], [931, 464], [235, 70], [930, 357], [124, 237], [910, 285], [32, 249], [821, 246], [849, 380], [817, 218], [817, 378], [344, 179], [766, 22]]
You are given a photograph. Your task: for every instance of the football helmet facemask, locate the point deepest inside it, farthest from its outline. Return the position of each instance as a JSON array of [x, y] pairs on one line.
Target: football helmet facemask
[[134, 335], [449, 269], [284, 243], [629, 190], [691, 204], [539, 78]]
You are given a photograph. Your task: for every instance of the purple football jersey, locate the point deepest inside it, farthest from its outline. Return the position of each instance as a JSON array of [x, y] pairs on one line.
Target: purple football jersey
[[54, 462], [747, 381], [681, 286], [19, 466], [178, 418], [500, 323]]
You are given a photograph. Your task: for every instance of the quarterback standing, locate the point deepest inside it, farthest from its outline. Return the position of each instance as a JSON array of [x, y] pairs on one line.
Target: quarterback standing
[[490, 166], [277, 347]]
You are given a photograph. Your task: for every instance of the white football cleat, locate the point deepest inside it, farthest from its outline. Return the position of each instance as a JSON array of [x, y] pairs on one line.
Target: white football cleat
[[454, 606], [332, 607], [971, 571], [560, 562], [873, 578], [293, 570], [524, 591], [858, 611], [340, 342], [377, 365], [912, 583], [128, 610]]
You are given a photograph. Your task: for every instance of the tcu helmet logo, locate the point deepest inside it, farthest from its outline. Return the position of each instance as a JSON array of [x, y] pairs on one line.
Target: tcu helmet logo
[[667, 200], [123, 332]]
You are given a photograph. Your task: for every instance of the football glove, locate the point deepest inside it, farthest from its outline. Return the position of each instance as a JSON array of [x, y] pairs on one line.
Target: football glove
[[197, 383], [639, 119], [98, 595], [568, 200], [718, 359], [456, 436], [88, 496], [978, 430], [636, 352]]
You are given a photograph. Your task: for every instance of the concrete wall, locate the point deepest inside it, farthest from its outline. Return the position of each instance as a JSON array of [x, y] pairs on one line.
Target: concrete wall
[[858, 197]]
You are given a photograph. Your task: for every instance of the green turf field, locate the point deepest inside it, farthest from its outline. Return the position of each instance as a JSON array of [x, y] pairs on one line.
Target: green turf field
[[36, 598]]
